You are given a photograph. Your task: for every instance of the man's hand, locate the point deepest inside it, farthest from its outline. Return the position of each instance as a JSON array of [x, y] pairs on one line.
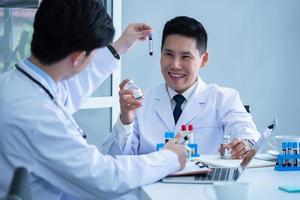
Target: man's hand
[[128, 104], [131, 34], [179, 149], [239, 148]]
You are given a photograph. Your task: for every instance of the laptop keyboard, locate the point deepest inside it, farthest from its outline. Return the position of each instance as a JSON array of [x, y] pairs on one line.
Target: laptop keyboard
[[219, 174]]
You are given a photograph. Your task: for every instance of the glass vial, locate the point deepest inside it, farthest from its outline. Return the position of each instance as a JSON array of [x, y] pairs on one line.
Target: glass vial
[[136, 91], [225, 150]]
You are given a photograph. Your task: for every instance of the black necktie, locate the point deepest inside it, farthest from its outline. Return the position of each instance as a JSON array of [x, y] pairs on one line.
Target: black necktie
[[179, 99]]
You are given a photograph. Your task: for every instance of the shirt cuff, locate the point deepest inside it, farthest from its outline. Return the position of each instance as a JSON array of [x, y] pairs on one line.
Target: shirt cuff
[[123, 130], [250, 142]]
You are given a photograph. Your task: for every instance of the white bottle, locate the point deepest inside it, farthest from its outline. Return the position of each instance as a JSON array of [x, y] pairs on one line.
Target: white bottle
[[188, 151], [191, 134], [185, 140], [225, 151], [136, 91]]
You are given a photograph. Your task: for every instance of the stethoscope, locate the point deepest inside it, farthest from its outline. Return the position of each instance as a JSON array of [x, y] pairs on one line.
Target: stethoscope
[[81, 132]]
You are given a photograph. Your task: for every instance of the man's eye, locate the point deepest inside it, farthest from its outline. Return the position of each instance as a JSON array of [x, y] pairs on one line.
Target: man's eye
[[186, 57]]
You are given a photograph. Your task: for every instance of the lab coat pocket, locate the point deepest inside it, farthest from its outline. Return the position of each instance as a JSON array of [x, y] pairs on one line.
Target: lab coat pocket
[[208, 137], [206, 132]]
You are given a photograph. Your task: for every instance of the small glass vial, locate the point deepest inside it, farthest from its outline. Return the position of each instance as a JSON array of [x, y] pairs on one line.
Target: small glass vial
[[191, 134], [225, 150], [188, 151], [136, 91]]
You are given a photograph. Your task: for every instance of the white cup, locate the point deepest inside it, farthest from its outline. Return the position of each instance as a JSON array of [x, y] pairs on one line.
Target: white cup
[[277, 141], [229, 191]]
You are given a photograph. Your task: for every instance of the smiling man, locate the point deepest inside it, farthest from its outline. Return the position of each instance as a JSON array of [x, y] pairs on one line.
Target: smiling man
[[184, 98]]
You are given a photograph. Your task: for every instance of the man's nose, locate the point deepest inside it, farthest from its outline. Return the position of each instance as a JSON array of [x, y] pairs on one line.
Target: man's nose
[[176, 64]]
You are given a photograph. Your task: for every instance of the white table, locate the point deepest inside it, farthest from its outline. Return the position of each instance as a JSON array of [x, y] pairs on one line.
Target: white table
[[264, 185]]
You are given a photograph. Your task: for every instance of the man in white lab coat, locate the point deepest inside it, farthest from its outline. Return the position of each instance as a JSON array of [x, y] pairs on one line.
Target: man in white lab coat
[[37, 99], [212, 110]]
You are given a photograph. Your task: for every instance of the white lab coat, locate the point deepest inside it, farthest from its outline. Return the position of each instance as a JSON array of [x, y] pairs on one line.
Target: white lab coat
[[35, 133], [212, 110]]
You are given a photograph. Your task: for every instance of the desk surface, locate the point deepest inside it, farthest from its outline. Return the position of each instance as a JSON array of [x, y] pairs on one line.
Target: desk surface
[[264, 185]]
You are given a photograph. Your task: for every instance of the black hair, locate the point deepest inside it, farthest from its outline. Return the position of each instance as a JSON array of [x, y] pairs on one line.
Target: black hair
[[188, 27], [62, 27]]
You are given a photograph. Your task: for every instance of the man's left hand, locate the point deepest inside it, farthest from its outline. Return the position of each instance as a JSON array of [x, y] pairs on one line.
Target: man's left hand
[[239, 148]]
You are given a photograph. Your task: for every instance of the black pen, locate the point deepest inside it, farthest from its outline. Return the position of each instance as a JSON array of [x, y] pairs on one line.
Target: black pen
[[202, 164]]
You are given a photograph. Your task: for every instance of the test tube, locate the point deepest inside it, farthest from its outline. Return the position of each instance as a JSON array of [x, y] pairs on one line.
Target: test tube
[[184, 133], [295, 152], [284, 152], [150, 44], [171, 135], [290, 152], [298, 154], [191, 137], [167, 137]]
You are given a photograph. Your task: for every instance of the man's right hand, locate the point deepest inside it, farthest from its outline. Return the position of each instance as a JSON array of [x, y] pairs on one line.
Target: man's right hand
[[132, 33], [179, 149], [128, 104]]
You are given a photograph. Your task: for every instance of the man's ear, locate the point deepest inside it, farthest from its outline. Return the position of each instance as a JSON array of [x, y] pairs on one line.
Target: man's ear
[[204, 60], [78, 57]]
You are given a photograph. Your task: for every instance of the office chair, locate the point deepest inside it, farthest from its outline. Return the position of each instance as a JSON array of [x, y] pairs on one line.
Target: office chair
[[19, 188]]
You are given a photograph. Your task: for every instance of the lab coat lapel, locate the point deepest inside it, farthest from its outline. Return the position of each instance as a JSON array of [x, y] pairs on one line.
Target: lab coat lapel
[[163, 107], [194, 106]]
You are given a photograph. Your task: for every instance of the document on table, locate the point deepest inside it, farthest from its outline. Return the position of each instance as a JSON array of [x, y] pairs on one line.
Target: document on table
[[216, 161], [191, 168]]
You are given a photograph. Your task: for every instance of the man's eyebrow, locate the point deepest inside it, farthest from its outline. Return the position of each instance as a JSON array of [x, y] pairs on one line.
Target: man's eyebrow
[[168, 50], [186, 53]]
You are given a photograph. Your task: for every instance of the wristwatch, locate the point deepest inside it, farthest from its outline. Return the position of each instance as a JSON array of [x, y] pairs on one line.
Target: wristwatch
[[113, 51]]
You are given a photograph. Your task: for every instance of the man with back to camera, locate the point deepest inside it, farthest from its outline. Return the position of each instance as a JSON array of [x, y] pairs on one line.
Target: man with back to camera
[[37, 99], [212, 110]]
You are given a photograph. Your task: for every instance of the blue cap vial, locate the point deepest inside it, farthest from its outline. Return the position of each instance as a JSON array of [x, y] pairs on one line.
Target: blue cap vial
[[167, 135], [171, 135], [284, 145], [294, 144], [290, 144]]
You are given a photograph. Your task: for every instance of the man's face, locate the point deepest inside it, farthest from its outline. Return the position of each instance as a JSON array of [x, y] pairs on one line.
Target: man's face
[[180, 61]]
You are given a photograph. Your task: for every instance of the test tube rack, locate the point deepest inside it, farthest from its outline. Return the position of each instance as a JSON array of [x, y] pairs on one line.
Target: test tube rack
[[169, 136], [194, 148], [281, 164]]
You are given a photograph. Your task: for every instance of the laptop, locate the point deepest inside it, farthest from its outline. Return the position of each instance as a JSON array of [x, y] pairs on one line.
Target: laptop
[[218, 174]]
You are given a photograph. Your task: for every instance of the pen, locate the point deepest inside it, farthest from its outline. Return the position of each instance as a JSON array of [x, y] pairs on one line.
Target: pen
[[185, 138], [150, 44], [201, 165]]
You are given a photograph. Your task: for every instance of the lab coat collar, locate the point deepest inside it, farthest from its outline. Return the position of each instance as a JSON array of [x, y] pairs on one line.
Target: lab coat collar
[[38, 77], [192, 108], [42, 74]]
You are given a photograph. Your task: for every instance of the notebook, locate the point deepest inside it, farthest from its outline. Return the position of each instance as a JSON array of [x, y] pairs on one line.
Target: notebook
[[191, 168], [216, 161]]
